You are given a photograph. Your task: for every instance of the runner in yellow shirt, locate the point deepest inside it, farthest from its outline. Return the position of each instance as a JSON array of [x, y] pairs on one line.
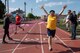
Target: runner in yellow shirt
[[51, 24]]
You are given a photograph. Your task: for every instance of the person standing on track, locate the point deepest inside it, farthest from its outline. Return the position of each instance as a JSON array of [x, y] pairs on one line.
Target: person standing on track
[[6, 27], [18, 22], [67, 24], [73, 20], [51, 24]]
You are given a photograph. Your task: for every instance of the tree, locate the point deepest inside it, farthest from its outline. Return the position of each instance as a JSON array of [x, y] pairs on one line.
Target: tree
[[78, 14], [37, 17], [30, 16], [2, 9]]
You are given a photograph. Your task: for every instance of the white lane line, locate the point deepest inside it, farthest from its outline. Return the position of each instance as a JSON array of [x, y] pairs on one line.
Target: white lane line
[[63, 41], [65, 44], [14, 39], [42, 49], [27, 25], [10, 35], [29, 39], [66, 38], [37, 39], [41, 23], [22, 39], [17, 48]]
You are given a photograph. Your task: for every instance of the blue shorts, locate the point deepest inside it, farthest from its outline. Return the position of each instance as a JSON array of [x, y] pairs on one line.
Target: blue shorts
[[51, 32]]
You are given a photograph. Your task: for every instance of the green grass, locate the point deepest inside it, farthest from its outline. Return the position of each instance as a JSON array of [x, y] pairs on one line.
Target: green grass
[[1, 26], [60, 25], [1, 22]]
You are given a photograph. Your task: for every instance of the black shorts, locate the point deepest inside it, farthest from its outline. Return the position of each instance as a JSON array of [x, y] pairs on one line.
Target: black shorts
[[51, 32]]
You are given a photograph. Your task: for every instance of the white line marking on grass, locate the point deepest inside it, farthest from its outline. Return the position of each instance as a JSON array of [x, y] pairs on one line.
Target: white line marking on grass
[[65, 44], [42, 49], [22, 39]]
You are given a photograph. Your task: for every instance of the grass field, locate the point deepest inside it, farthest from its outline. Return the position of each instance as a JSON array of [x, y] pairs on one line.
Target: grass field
[[60, 25]]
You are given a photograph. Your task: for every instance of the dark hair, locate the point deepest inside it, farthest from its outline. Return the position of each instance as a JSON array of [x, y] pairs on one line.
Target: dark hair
[[74, 11], [69, 10], [52, 11]]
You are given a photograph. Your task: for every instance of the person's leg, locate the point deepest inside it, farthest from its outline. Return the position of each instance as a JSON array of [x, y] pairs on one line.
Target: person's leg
[[16, 29], [8, 35], [21, 27], [51, 34], [74, 36], [67, 26], [73, 32], [4, 36], [50, 42], [49, 39]]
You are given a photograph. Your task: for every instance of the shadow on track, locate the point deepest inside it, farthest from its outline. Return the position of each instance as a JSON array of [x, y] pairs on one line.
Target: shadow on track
[[32, 33], [75, 49], [27, 42]]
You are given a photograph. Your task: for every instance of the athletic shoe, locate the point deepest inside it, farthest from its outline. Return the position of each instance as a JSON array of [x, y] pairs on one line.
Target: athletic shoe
[[50, 49], [15, 32], [73, 38], [23, 29], [10, 39], [4, 42]]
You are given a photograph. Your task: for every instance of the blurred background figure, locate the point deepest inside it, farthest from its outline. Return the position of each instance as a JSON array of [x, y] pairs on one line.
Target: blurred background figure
[[18, 22], [6, 27]]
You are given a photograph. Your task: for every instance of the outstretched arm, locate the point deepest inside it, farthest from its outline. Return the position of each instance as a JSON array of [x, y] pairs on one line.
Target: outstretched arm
[[42, 7], [62, 9]]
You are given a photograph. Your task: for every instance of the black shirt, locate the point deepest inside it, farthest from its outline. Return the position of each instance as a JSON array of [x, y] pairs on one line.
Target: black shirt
[[6, 23], [73, 18]]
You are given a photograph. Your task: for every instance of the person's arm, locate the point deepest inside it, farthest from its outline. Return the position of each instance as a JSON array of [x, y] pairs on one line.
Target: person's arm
[[42, 7], [9, 20], [64, 7], [4, 23], [68, 20]]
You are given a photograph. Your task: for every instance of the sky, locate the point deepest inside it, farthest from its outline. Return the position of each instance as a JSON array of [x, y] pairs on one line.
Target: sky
[[48, 5]]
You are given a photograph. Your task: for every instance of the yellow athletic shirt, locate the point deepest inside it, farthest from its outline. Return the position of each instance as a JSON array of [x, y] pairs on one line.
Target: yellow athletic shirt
[[51, 22]]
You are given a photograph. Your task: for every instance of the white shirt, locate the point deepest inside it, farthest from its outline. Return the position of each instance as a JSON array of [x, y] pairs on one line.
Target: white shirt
[[67, 18]]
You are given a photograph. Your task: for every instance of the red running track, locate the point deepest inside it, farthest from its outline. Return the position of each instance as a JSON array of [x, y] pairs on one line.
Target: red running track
[[34, 40]]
